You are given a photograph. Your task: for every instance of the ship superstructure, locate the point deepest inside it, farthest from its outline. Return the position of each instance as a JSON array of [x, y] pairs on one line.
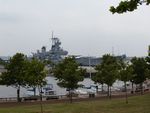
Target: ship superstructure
[[55, 54]]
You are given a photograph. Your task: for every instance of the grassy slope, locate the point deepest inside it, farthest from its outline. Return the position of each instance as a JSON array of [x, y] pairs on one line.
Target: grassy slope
[[137, 104]]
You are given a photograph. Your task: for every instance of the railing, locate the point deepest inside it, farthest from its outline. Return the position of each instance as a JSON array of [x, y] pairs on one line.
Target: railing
[[33, 98], [10, 99]]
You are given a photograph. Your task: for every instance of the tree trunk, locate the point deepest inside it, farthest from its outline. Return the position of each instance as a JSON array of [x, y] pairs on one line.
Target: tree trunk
[[108, 91], [34, 89], [18, 94], [97, 89], [70, 95], [141, 85], [125, 84], [102, 88], [41, 105], [132, 89]]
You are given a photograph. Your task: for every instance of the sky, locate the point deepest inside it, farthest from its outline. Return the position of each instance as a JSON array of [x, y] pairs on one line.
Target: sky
[[85, 27]]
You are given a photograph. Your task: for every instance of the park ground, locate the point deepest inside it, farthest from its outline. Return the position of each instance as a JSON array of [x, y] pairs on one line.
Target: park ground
[[137, 104]]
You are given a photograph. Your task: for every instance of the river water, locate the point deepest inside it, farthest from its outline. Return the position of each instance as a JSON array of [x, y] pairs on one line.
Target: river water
[[6, 92]]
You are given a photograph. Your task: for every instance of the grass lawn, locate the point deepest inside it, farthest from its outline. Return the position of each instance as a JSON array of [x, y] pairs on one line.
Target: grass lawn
[[137, 104]]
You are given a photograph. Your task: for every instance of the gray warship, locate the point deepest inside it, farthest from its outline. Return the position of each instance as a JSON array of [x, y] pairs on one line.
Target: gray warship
[[55, 54]]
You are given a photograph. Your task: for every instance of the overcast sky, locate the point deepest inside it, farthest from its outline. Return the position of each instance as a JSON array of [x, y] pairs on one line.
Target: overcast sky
[[85, 27]]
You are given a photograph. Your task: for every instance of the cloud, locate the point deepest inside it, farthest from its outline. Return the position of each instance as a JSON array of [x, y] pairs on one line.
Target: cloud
[[9, 18], [84, 26]]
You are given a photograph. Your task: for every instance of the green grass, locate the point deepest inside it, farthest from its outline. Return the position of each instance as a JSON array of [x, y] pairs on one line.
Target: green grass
[[137, 104]]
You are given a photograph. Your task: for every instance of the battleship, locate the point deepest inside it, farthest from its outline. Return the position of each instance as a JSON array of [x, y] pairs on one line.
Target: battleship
[[55, 54]]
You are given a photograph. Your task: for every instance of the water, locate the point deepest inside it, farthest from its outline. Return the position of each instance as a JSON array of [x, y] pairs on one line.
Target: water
[[6, 92]]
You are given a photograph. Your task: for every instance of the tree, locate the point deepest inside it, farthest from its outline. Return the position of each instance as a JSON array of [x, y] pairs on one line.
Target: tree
[[140, 68], [15, 74], [109, 70], [99, 77], [68, 74], [148, 67], [128, 6], [2, 62], [126, 75], [148, 63], [50, 65], [35, 77]]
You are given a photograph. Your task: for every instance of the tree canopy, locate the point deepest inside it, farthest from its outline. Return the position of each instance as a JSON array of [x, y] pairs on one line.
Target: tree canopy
[[2, 62], [15, 74], [126, 74], [98, 77], [139, 66], [107, 71], [109, 68], [15, 71], [68, 74], [35, 74], [140, 71], [128, 6]]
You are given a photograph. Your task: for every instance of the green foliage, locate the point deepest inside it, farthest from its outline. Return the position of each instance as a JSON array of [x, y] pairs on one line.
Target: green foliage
[[2, 62], [126, 73], [128, 5], [49, 63], [68, 74], [109, 69], [15, 73], [35, 75], [140, 67], [99, 77], [148, 67]]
